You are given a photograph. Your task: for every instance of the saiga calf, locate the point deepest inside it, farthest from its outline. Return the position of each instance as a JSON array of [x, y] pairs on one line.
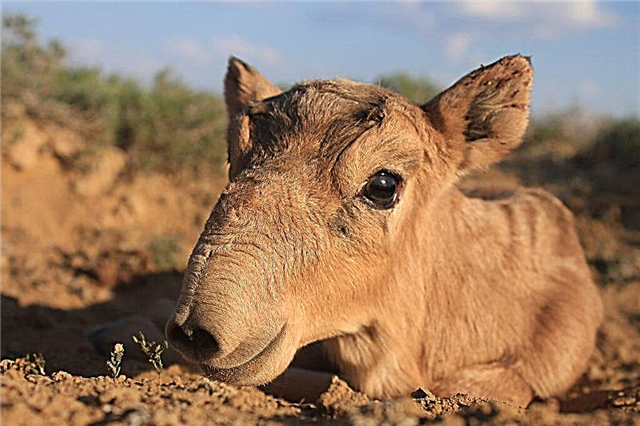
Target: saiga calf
[[342, 223]]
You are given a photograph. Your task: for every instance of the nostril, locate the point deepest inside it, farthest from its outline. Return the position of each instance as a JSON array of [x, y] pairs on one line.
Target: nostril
[[176, 335], [197, 344], [204, 341]]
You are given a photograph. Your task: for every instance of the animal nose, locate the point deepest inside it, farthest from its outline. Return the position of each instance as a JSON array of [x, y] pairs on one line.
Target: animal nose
[[192, 340]]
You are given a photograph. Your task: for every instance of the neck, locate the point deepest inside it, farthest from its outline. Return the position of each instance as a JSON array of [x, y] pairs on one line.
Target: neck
[[421, 320]]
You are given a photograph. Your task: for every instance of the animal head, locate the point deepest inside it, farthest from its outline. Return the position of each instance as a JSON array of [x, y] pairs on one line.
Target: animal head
[[329, 182]]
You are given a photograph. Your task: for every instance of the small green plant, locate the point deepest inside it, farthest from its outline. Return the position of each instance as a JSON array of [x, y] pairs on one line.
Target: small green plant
[[35, 364], [151, 349], [115, 361]]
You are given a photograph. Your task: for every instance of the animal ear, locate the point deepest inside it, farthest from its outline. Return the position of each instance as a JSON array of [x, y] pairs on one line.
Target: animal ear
[[484, 115], [244, 84]]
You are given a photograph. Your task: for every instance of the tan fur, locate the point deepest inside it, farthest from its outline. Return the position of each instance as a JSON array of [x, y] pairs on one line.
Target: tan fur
[[455, 294]]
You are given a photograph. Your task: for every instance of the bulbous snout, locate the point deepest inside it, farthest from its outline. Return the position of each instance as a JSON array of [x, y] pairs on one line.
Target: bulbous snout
[[223, 340], [221, 322], [216, 333], [232, 309]]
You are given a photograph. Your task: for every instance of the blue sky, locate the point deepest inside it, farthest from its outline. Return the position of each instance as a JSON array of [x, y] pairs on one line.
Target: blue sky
[[585, 52]]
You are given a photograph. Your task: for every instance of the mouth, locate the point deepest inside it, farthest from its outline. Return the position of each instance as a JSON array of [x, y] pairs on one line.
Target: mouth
[[265, 365]]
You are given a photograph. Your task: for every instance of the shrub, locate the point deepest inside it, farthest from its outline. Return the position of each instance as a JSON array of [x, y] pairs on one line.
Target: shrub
[[619, 141], [417, 89], [573, 125], [27, 65], [167, 128]]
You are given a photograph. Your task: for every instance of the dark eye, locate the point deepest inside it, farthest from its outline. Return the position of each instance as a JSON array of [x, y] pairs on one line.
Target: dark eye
[[381, 190]]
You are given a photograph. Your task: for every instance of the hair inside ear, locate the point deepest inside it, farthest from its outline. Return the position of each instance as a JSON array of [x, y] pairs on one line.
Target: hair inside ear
[[243, 85], [485, 114]]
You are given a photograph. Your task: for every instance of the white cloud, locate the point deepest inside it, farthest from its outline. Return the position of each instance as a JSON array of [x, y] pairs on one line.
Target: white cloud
[[97, 53], [144, 67], [191, 50], [543, 19], [258, 5], [236, 45], [589, 90], [413, 13], [219, 49], [89, 51], [588, 14], [493, 10], [457, 46], [410, 4]]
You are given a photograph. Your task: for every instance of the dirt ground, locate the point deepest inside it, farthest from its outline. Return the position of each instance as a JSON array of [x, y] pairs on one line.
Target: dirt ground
[[81, 247]]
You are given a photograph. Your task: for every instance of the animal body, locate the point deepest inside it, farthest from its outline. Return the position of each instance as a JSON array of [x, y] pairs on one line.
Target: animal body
[[342, 224]]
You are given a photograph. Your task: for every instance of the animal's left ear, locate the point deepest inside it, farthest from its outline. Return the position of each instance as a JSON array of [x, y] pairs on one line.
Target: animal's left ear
[[484, 115]]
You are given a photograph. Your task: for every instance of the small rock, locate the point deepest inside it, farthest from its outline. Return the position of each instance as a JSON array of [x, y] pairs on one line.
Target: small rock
[[61, 375], [340, 400], [6, 364], [139, 416], [421, 393], [623, 401]]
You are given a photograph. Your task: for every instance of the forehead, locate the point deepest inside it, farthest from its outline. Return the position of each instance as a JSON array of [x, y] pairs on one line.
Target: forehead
[[320, 116]]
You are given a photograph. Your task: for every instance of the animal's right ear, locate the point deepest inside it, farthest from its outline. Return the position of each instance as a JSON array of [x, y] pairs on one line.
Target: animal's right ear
[[243, 85]]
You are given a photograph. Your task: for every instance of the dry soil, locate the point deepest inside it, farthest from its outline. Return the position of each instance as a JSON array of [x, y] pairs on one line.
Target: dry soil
[[81, 247]]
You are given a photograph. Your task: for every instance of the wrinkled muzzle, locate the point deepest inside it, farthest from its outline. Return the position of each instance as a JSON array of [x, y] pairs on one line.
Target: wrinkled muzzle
[[230, 317]]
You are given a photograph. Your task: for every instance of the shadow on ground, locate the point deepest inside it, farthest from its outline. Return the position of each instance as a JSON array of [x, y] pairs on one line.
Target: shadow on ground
[[61, 335]]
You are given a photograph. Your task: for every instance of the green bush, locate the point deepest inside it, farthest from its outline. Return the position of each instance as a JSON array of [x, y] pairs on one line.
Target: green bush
[[26, 65], [544, 130], [417, 89], [168, 128], [572, 125], [174, 127], [619, 141], [171, 128]]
